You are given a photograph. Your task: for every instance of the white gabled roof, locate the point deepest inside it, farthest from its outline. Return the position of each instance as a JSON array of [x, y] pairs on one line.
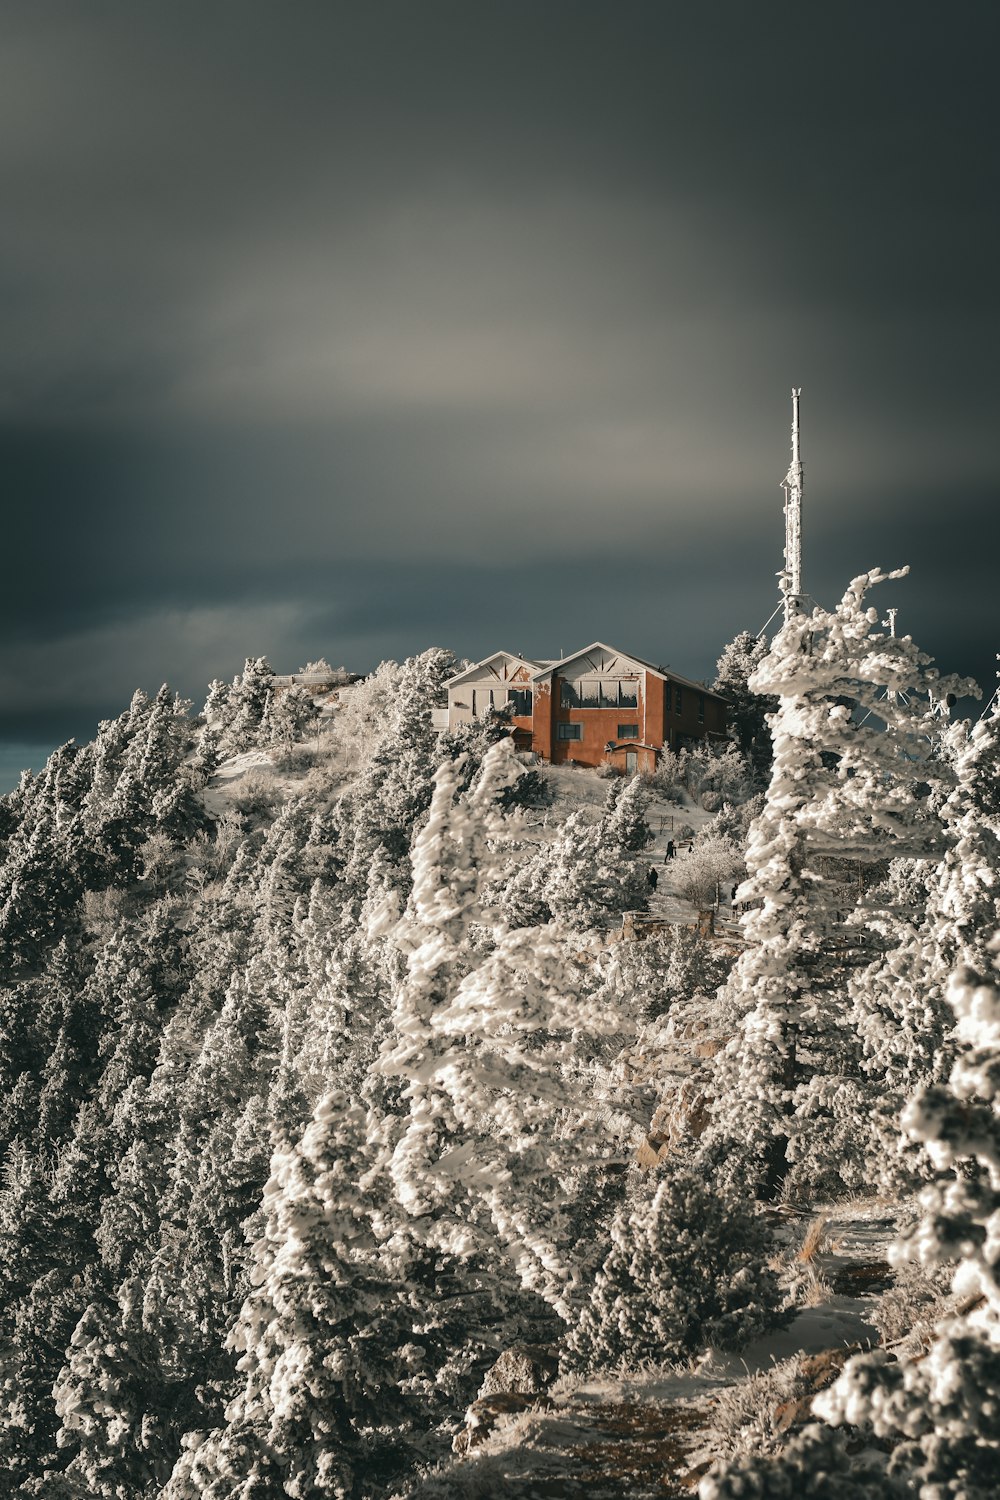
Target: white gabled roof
[[626, 658], [487, 662], [619, 656]]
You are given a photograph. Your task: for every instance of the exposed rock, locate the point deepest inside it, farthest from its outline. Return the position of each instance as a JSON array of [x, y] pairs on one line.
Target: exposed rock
[[650, 1152], [690, 1113], [686, 1114], [711, 1047], [484, 1415], [815, 1373], [820, 1370], [528, 1369]]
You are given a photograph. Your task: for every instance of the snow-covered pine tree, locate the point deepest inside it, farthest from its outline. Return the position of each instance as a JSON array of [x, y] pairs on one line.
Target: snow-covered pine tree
[[935, 1413], [508, 1133], [393, 790], [686, 1269], [119, 1003], [946, 1407], [337, 1350], [749, 707], [666, 969], [40, 885], [249, 702], [117, 1422], [854, 768], [114, 739], [363, 713], [217, 714], [582, 878], [293, 714], [945, 915], [169, 1231], [450, 863], [351, 970], [969, 901], [625, 817]]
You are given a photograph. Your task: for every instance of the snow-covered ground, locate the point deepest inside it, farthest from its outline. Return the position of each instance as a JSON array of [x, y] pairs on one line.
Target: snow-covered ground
[[651, 1434]]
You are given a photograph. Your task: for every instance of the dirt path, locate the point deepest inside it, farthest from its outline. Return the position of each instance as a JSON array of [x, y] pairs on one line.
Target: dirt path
[[650, 1437]]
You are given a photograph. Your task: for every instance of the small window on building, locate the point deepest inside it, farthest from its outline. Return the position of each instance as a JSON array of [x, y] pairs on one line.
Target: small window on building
[[668, 695], [628, 731], [701, 708], [520, 702], [485, 699], [678, 699], [571, 731]]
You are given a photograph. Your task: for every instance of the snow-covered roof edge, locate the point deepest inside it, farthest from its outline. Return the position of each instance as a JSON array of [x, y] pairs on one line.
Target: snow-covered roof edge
[[665, 674], [636, 661], [496, 656]]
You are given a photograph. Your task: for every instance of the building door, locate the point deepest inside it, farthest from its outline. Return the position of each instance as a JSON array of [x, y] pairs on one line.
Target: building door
[[631, 762]]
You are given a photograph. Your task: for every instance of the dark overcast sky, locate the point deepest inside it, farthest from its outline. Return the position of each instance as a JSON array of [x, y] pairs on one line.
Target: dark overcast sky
[[351, 329]]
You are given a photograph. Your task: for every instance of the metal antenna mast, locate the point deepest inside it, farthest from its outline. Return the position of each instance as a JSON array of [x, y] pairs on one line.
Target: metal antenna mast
[[791, 575]]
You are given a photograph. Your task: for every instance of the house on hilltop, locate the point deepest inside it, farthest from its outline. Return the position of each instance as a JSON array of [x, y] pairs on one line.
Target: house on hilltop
[[596, 705], [502, 680]]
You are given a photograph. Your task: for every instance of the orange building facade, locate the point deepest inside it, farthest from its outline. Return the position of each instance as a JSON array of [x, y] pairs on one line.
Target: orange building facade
[[598, 705]]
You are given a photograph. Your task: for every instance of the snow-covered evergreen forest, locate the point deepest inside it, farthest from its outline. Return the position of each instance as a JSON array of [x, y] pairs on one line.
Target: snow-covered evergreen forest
[[351, 1150]]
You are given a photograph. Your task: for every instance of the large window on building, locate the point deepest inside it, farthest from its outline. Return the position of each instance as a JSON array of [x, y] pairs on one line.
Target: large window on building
[[571, 731], [520, 702], [600, 692], [668, 695], [628, 731], [678, 699]]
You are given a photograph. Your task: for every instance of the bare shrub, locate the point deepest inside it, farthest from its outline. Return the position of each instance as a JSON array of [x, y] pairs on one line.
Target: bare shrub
[[812, 1240], [708, 865], [159, 856], [808, 1288], [228, 836], [295, 757], [102, 911], [256, 795], [669, 778], [913, 1304], [746, 1414]]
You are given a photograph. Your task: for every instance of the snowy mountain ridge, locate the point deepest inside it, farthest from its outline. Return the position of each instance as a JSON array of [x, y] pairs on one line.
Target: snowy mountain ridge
[[330, 1073]]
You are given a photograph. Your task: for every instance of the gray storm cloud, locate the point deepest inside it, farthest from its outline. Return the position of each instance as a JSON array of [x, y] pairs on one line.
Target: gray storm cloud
[[341, 329]]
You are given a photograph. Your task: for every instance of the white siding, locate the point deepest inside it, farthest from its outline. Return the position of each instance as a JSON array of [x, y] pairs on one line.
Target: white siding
[[471, 698]]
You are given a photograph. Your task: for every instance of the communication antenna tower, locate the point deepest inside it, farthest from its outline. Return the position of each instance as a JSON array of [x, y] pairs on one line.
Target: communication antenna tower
[[791, 574]]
